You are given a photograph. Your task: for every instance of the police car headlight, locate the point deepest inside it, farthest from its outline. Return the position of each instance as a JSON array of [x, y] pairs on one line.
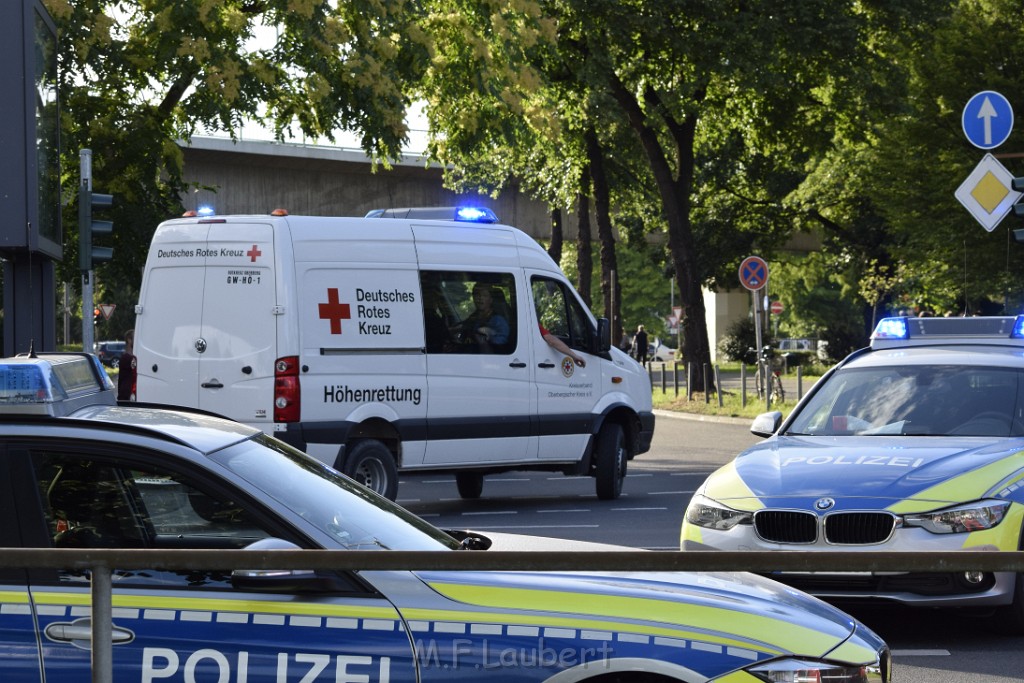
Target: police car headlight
[[810, 671], [706, 513], [962, 519]]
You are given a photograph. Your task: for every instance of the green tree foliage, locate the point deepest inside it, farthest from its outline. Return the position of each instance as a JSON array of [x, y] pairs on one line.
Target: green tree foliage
[[137, 76]]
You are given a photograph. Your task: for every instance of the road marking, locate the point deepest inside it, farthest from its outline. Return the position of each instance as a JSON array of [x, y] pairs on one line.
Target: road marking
[[669, 493], [567, 478], [523, 479], [495, 512], [406, 501], [920, 653], [539, 526], [577, 510], [640, 475]]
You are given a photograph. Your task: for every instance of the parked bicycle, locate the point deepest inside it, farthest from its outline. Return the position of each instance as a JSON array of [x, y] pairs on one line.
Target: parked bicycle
[[769, 359]]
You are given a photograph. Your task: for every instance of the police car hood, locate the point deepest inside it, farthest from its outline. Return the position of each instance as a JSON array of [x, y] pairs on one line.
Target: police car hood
[[692, 605], [724, 602], [869, 472]]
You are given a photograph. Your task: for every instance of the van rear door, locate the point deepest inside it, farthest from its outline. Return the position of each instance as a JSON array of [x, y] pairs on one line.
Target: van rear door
[[207, 331]]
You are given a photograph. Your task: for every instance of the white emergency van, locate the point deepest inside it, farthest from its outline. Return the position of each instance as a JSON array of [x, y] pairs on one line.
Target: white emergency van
[[381, 344]]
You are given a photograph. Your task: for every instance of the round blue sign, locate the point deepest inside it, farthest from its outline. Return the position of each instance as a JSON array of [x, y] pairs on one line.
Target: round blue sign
[[987, 119]]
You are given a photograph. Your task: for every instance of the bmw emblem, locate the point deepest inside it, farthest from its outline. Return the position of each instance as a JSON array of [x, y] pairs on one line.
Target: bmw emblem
[[823, 504], [200, 345]]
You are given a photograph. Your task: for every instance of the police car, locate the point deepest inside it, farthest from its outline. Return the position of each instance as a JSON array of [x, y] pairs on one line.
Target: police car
[[913, 444], [80, 470]]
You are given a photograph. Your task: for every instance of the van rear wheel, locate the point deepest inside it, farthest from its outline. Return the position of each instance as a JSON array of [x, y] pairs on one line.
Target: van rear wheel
[[371, 464], [610, 467], [470, 484]]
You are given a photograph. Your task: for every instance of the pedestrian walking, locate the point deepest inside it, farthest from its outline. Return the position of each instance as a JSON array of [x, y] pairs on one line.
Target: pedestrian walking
[[640, 345], [127, 369]]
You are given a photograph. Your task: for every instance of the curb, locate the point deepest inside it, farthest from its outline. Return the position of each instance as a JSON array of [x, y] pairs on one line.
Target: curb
[[696, 417]]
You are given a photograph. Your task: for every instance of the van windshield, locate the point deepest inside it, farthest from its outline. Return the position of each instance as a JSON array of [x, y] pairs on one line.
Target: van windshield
[[354, 516]]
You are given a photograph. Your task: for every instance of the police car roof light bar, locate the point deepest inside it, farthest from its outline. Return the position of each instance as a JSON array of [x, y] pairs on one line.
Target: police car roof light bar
[[904, 331], [53, 384]]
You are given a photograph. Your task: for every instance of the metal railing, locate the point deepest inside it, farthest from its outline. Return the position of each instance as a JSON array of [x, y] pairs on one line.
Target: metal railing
[[100, 563]]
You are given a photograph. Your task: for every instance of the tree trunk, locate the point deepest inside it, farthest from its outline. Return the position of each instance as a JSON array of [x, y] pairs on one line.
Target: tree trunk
[[555, 248], [675, 193], [584, 259], [609, 263]]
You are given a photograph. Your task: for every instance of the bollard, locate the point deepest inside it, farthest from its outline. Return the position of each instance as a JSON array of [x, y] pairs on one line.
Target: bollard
[[718, 386], [743, 385]]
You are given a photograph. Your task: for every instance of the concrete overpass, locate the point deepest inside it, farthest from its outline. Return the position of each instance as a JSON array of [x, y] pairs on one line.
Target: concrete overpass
[[258, 177]]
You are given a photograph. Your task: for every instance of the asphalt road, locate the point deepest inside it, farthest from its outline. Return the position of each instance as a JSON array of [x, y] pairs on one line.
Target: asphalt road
[[932, 646]]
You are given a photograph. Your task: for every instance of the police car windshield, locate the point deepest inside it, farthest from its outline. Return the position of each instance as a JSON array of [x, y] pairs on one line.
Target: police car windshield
[[349, 513], [916, 400]]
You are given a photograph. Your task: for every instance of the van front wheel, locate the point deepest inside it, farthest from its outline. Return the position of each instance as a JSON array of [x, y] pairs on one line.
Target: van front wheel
[[371, 464], [610, 468]]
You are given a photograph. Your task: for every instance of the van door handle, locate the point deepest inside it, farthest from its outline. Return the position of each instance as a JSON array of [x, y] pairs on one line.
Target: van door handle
[[214, 384], [517, 364], [545, 364]]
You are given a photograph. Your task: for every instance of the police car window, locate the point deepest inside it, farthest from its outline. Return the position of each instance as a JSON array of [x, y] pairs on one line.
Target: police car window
[[91, 503], [469, 312], [916, 400], [349, 514]]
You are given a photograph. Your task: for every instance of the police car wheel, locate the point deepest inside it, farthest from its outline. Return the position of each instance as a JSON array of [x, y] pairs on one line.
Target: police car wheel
[[371, 464], [610, 467], [470, 484]]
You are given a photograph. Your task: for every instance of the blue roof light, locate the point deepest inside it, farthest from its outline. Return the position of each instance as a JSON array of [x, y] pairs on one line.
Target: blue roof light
[[205, 211], [475, 214], [891, 328], [1018, 328]]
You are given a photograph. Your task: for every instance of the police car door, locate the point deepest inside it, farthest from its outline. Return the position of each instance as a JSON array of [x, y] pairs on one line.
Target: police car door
[[21, 663], [566, 393], [193, 626]]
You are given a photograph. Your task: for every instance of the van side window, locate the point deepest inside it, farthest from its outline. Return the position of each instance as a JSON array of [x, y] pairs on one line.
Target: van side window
[[469, 312], [561, 313]]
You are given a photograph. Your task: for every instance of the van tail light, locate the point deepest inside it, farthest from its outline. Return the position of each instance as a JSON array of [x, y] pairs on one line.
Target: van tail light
[[287, 404]]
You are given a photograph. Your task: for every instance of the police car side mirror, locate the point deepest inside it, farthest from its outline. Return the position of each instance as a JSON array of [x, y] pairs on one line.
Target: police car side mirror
[[766, 424], [288, 580]]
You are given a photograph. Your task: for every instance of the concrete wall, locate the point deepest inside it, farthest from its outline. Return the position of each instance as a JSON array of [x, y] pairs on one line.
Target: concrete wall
[[258, 177]]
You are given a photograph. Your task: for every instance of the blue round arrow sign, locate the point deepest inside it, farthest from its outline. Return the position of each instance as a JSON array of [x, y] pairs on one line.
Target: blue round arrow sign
[[987, 119]]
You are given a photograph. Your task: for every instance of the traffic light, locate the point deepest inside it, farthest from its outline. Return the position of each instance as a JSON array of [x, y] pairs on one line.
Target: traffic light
[[88, 228], [96, 313]]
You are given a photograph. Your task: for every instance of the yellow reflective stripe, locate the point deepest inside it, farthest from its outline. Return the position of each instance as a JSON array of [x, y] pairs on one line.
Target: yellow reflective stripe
[[690, 532], [1004, 536], [675, 616], [854, 652], [14, 597], [725, 484], [589, 629], [736, 677], [968, 486], [180, 604]]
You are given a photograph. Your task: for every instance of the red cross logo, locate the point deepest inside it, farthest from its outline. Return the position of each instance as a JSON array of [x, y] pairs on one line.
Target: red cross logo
[[253, 253], [334, 310]]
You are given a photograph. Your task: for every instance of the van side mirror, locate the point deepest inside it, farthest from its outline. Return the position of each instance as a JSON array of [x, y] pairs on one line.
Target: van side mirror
[[604, 336]]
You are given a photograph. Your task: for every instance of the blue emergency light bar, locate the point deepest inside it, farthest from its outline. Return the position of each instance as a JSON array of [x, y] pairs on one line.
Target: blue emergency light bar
[[465, 214], [904, 331], [53, 384]]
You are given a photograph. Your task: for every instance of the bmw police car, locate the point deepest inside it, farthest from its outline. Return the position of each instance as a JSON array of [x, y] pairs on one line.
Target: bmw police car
[[915, 443], [79, 470]]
